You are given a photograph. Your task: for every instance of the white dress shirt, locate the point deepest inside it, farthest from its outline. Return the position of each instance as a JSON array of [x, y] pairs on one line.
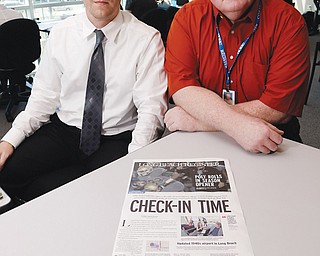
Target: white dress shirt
[[135, 87]]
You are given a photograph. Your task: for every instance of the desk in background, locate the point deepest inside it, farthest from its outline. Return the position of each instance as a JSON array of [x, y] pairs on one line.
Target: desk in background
[[279, 194], [46, 25], [304, 6]]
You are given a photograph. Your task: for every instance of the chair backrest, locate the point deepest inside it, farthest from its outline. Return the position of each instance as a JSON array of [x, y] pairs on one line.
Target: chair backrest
[[182, 2], [157, 18], [19, 43], [171, 12], [139, 7]]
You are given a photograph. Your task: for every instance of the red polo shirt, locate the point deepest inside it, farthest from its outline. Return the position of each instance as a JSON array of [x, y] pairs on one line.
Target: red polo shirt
[[273, 67]]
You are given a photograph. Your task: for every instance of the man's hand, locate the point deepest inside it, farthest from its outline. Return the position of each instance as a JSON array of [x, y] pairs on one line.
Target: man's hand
[[6, 150], [177, 119], [256, 135]]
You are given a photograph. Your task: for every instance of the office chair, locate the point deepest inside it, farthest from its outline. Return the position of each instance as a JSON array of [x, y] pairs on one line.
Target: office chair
[[182, 2], [19, 48], [290, 2], [171, 12], [139, 7], [157, 18]]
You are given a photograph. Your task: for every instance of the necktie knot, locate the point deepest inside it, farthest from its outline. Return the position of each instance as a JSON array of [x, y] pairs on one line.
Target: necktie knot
[[99, 36]]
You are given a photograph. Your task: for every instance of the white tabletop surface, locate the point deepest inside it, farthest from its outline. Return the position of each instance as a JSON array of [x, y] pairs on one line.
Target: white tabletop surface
[[279, 195]]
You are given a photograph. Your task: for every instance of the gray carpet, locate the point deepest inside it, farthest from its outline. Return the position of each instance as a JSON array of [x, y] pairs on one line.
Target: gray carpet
[[310, 120]]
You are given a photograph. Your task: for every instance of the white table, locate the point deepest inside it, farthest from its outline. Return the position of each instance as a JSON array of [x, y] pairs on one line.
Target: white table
[[279, 194]]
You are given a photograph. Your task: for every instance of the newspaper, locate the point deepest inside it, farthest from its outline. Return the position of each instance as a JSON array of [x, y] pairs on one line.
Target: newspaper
[[182, 208]]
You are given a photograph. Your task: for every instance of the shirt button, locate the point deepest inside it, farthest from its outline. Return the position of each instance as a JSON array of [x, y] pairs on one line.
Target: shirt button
[[232, 31], [231, 57], [231, 81]]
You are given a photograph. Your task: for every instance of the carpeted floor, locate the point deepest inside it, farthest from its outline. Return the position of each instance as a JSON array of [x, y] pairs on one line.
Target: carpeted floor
[[310, 120]]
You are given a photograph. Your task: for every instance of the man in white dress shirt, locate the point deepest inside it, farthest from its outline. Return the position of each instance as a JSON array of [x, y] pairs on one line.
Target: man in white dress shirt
[[41, 150]]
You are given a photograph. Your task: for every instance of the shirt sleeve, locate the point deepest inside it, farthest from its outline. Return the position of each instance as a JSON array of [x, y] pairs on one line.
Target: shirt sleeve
[[181, 58], [288, 74], [42, 103], [149, 94]]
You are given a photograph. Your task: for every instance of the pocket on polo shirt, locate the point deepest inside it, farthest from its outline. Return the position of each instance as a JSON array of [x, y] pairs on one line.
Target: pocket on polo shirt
[[253, 77]]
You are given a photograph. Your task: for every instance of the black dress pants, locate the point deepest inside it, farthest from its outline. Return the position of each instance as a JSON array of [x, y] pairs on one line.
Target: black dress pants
[[51, 157], [291, 129]]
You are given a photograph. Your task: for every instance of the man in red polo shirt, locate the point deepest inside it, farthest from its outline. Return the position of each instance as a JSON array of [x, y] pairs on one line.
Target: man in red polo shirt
[[256, 50]]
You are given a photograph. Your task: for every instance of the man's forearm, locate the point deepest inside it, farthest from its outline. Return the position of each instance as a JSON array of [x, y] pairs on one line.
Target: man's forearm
[[254, 134], [202, 98], [205, 106], [258, 109]]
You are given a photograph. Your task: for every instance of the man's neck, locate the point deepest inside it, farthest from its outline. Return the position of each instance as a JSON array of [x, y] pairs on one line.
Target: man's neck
[[235, 15], [101, 22]]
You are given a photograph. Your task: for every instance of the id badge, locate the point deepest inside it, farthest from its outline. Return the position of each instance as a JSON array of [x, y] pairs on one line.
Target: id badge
[[229, 96]]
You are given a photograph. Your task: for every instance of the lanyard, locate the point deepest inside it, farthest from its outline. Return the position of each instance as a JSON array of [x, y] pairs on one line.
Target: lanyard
[[242, 45]]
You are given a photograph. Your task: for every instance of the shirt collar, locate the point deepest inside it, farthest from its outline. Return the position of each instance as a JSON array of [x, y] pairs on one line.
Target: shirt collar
[[250, 16], [110, 30]]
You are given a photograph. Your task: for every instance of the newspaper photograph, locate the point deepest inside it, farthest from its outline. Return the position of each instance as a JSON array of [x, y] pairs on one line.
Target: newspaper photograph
[[182, 208]]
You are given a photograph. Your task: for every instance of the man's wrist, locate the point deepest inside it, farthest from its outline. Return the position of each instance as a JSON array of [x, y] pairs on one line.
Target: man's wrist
[[7, 143]]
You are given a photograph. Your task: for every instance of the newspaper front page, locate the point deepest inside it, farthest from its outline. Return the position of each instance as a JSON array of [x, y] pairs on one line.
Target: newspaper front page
[[182, 208]]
